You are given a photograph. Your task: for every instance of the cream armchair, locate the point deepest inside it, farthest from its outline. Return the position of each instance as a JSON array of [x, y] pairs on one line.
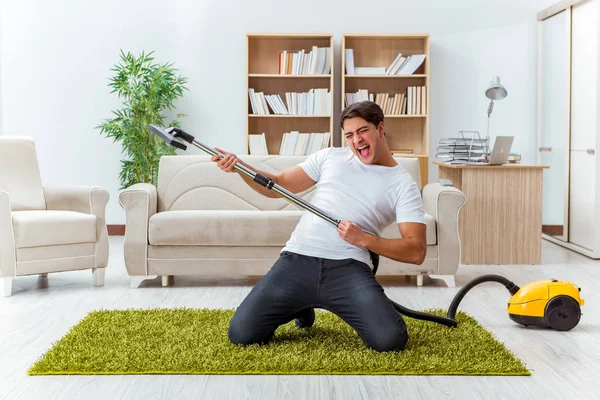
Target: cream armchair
[[46, 229]]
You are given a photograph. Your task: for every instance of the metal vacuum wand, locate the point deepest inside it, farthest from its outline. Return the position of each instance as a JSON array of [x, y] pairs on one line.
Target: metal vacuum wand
[[169, 135]]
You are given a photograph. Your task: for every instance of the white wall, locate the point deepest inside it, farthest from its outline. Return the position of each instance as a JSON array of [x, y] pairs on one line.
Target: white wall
[[1, 76], [463, 65], [56, 59]]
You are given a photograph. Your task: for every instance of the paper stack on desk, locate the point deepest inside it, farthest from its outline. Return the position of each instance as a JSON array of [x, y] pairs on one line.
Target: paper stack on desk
[[463, 149]]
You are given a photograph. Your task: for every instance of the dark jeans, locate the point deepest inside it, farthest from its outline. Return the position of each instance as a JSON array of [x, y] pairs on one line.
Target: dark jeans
[[296, 283]]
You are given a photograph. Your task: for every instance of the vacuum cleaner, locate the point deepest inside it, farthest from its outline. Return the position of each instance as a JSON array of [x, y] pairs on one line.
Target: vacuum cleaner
[[549, 303]]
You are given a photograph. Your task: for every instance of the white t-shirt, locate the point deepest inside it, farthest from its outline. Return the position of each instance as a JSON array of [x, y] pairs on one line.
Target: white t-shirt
[[372, 196]]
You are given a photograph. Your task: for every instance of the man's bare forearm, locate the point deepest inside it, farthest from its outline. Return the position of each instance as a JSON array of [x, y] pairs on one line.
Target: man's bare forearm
[[406, 250], [257, 187]]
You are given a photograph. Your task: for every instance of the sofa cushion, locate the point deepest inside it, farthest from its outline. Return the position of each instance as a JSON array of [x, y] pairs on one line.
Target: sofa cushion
[[223, 227], [50, 227], [238, 228], [392, 231]]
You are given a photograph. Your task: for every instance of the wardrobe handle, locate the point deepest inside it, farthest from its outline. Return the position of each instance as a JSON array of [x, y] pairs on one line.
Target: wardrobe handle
[[545, 149], [591, 151]]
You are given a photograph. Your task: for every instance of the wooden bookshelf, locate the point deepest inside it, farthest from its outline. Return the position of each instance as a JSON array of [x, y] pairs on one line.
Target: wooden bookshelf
[[380, 50], [263, 75]]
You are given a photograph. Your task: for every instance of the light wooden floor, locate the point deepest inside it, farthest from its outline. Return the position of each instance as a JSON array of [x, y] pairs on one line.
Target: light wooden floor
[[565, 365]]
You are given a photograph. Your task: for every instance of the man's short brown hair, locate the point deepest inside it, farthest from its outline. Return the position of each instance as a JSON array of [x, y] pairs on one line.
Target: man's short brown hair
[[367, 110]]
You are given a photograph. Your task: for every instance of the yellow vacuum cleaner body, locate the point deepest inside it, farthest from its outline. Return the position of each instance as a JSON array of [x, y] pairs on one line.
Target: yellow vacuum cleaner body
[[550, 303]]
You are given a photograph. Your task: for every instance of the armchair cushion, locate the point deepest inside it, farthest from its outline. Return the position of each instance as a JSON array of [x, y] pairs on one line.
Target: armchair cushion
[[45, 228], [223, 227]]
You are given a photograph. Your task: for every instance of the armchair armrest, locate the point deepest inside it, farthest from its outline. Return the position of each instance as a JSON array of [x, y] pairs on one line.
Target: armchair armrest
[[444, 204], [140, 203], [84, 199], [87, 200], [8, 266]]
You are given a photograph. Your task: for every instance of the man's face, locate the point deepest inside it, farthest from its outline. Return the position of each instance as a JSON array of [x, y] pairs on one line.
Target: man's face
[[364, 139]]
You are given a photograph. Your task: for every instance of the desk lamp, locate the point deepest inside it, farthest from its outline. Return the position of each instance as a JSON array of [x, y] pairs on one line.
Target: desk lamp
[[494, 92]]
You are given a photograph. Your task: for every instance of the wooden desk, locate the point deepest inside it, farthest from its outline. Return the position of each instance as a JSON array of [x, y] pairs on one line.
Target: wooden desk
[[501, 222]]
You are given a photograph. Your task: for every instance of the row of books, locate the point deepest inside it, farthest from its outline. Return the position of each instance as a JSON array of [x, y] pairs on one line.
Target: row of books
[[292, 143], [299, 144], [313, 102], [315, 62], [402, 65], [412, 102]]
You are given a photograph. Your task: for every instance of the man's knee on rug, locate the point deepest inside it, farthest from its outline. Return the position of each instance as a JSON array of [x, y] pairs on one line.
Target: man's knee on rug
[[243, 333], [387, 339]]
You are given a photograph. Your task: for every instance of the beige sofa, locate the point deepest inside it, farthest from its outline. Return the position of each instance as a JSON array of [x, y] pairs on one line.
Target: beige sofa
[[200, 220], [46, 229]]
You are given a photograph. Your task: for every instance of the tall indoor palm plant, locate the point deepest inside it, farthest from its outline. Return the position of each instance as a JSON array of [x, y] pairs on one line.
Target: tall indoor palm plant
[[146, 89]]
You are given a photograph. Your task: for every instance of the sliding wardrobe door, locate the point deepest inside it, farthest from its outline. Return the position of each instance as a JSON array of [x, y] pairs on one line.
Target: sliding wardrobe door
[[584, 126], [553, 122]]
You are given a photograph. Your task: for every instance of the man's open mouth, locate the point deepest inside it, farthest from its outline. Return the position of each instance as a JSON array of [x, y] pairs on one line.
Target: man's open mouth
[[364, 150]]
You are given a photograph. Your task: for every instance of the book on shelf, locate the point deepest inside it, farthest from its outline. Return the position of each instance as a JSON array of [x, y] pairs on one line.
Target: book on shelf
[[369, 70], [299, 144], [401, 65], [313, 102], [258, 144], [412, 102], [315, 62], [350, 62]]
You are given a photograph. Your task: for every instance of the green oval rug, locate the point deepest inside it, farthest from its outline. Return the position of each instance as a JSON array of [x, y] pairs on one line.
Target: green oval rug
[[194, 341]]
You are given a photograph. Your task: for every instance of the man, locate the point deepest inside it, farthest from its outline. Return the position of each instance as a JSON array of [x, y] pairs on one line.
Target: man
[[324, 267]]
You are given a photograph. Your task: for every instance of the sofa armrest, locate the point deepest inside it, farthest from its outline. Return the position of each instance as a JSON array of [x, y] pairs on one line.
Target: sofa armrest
[[8, 260], [87, 200], [140, 203], [444, 204]]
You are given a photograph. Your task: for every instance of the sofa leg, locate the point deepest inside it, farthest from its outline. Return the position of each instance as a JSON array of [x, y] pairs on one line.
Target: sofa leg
[[136, 281], [98, 274], [166, 280], [5, 286], [449, 279], [44, 275], [420, 280]]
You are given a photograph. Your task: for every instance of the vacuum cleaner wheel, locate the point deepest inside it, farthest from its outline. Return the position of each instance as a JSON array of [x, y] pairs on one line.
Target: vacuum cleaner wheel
[[563, 313]]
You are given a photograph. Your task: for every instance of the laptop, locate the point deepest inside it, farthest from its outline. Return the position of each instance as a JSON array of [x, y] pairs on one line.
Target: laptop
[[499, 155], [501, 150]]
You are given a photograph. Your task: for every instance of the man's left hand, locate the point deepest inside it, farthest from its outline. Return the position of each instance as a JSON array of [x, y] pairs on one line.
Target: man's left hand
[[351, 233]]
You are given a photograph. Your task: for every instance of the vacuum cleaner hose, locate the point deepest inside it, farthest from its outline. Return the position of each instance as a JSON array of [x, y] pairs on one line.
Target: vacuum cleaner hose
[[512, 288], [450, 320]]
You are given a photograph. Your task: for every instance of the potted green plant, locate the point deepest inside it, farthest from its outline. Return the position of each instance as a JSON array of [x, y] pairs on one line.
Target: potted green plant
[[146, 89]]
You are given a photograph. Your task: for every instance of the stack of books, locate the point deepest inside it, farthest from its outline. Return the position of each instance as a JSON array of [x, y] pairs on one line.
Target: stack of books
[[402, 65]]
